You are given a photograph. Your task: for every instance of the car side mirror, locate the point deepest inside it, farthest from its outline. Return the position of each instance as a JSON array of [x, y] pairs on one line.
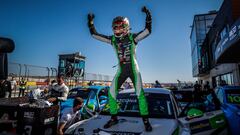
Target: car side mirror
[[91, 107], [194, 113]]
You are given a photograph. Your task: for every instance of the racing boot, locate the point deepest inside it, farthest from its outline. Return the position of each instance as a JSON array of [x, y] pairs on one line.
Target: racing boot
[[147, 124], [111, 122]]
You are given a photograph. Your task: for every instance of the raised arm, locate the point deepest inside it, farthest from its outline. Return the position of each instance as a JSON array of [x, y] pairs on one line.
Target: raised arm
[[148, 26], [94, 33]]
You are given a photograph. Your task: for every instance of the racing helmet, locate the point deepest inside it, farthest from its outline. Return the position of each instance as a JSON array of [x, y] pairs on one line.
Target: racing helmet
[[120, 26]]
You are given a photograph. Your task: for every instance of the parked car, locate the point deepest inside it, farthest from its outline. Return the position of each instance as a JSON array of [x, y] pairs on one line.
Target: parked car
[[165, 115], [95, 97], [229, 97]]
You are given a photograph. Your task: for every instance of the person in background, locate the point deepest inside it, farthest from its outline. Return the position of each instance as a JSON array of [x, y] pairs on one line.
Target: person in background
[[5, 88], [22, 87], [223, 83], [2, 91], [59, 91], [157, 84], [197, 92], [45, 92], [206, 87], [70, 115], [13, 86], [51, 85], [197, 87], [90, 83]]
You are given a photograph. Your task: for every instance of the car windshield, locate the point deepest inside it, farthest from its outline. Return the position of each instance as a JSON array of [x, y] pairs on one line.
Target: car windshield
[[160, 107], [233, 96], [80, 92]]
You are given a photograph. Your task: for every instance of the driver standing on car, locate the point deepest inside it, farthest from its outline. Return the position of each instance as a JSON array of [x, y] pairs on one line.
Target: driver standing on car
[[124, 44]]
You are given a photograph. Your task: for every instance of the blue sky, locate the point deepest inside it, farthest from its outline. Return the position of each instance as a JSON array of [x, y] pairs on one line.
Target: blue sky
[[42, 29]]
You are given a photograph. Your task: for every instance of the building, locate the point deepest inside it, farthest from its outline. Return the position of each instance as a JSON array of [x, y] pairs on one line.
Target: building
[[71, 65], [200, 27], [219, 51]]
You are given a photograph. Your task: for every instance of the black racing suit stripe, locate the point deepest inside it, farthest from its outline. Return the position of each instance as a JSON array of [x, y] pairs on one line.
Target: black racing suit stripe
[[147, 31], [127, 71], [98, 36]]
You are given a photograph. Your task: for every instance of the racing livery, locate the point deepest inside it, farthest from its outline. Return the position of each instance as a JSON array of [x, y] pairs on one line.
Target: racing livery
[[94, 97], [164, 114], [229, 97]]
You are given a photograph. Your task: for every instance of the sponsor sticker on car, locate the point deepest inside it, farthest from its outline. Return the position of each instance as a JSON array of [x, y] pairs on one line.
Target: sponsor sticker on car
[[233, 96], [200, 126], [118, 132]]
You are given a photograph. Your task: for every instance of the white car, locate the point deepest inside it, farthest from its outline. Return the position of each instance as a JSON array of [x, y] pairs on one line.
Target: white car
[[164, 116]]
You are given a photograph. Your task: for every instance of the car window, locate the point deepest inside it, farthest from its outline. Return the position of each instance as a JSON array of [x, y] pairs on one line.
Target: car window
[[92, 95], [220, 96], [233, 96], [176, 105], [103, 92], [160, 105], [80, 92]]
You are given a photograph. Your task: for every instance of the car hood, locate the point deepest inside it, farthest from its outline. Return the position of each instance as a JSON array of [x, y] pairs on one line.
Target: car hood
[[130, 125]]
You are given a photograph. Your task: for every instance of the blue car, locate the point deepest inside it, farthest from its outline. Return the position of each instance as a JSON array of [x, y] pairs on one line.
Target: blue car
[[95, 97], [229, 96]]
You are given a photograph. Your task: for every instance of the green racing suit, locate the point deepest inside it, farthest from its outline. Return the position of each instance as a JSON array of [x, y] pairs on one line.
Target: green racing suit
[[125, 48]]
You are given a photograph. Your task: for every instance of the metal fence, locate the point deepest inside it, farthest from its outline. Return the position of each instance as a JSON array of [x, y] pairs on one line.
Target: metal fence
[[39, 76], [30, 72], [40, 73]]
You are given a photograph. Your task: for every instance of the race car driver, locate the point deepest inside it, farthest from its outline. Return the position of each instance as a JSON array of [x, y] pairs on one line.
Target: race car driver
[[124, 44]]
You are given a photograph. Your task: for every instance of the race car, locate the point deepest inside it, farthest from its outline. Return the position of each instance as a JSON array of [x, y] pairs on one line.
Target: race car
[[165, 116], [94, 97], [229, 97]]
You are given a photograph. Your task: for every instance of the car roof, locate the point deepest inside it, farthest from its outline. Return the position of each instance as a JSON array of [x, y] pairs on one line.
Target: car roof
[[91, 87], [229, 87], [149, 90]]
